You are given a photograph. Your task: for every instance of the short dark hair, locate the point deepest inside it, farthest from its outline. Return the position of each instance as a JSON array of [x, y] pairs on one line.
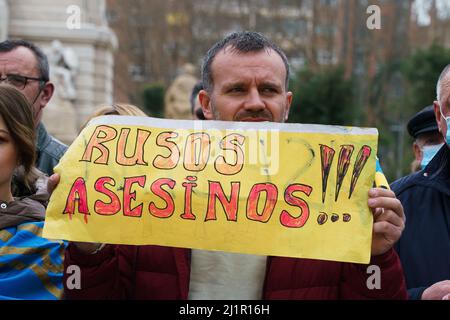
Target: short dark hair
[[42, 61], [244, 42], [195, 90]]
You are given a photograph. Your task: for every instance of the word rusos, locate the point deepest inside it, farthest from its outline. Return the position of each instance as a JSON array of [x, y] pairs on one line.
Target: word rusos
[[261, 195], [196, 156]]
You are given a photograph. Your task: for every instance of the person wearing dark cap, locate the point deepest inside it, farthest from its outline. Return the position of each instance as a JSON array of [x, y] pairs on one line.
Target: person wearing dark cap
[[424, 247], [422, 127]]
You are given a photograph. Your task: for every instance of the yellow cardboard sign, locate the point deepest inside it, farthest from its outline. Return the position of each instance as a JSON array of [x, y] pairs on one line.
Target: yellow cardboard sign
[[260, 188]]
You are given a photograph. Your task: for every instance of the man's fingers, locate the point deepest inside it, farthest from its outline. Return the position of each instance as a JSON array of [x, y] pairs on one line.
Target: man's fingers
[[386, 228], [53, 181], [381, 192], [387, 203], [389, 216], [377, 212]]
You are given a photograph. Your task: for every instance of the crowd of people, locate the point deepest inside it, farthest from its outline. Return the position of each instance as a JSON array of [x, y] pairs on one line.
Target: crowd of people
[[245, 77]]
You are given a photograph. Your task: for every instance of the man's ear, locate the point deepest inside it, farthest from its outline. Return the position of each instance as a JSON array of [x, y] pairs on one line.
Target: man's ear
[[46, 94], [437, 114], [288, 104], [205, 101], [417, 152]]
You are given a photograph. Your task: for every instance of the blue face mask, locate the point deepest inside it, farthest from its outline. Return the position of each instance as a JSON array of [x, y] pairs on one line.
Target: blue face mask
[[428, 154]]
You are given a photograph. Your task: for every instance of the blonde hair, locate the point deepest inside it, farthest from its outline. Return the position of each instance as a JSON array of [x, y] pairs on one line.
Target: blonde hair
[[118, 109]]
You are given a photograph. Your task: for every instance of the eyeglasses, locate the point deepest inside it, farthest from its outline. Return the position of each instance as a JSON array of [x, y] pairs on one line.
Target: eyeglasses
[[19, 81]]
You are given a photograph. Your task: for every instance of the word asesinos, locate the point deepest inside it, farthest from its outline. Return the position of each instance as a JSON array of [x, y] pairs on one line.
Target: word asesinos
[[261, 195]]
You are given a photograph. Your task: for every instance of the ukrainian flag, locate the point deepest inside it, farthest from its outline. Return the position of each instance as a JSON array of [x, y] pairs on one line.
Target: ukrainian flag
[[31, 267]]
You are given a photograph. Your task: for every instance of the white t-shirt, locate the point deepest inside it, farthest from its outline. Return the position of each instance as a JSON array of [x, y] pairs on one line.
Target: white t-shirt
[[219, 275]]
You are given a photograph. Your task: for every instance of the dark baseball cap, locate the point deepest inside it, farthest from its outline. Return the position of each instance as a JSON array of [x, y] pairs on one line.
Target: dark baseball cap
[[423, 121]]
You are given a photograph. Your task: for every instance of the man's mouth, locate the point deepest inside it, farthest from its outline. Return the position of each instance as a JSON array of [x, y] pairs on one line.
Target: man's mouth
[[250, 119]]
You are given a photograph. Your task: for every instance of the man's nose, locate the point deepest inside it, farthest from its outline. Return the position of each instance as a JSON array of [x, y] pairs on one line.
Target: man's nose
[[254, 101]]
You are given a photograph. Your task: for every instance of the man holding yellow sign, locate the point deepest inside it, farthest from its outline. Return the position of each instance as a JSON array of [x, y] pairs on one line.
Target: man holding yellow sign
[[215, 188]]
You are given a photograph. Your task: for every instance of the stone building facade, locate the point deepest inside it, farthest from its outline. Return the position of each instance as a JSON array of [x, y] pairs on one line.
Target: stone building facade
[[82, 33]]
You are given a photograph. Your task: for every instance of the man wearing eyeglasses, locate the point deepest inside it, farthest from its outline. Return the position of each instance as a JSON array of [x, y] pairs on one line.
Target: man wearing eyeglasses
[[24, 66], [424, 247]]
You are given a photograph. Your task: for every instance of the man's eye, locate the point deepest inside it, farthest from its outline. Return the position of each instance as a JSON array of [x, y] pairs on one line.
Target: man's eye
[[269, 90], [236, 89], [14, 79]]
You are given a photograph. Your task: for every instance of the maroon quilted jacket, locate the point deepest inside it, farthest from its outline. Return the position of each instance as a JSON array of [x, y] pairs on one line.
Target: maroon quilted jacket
[[152, 272]]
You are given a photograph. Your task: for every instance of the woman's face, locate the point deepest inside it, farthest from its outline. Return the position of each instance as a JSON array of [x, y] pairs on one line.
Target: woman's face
[[8, 156]]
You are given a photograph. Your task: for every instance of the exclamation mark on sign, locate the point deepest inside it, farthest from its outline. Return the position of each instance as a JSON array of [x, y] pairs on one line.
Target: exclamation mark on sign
[[343, 163], [326, 155], [361, 161]]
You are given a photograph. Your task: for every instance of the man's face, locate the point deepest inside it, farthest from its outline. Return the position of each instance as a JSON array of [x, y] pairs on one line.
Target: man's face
[[247, 87], [444, 104], [424, 140], [21, 61]]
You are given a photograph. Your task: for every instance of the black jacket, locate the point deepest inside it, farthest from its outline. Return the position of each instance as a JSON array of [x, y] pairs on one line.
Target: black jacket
[[424, 247]]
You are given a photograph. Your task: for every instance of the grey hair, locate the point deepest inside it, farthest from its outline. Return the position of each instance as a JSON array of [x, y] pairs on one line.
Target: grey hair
[[441, 78], [243, 42]]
